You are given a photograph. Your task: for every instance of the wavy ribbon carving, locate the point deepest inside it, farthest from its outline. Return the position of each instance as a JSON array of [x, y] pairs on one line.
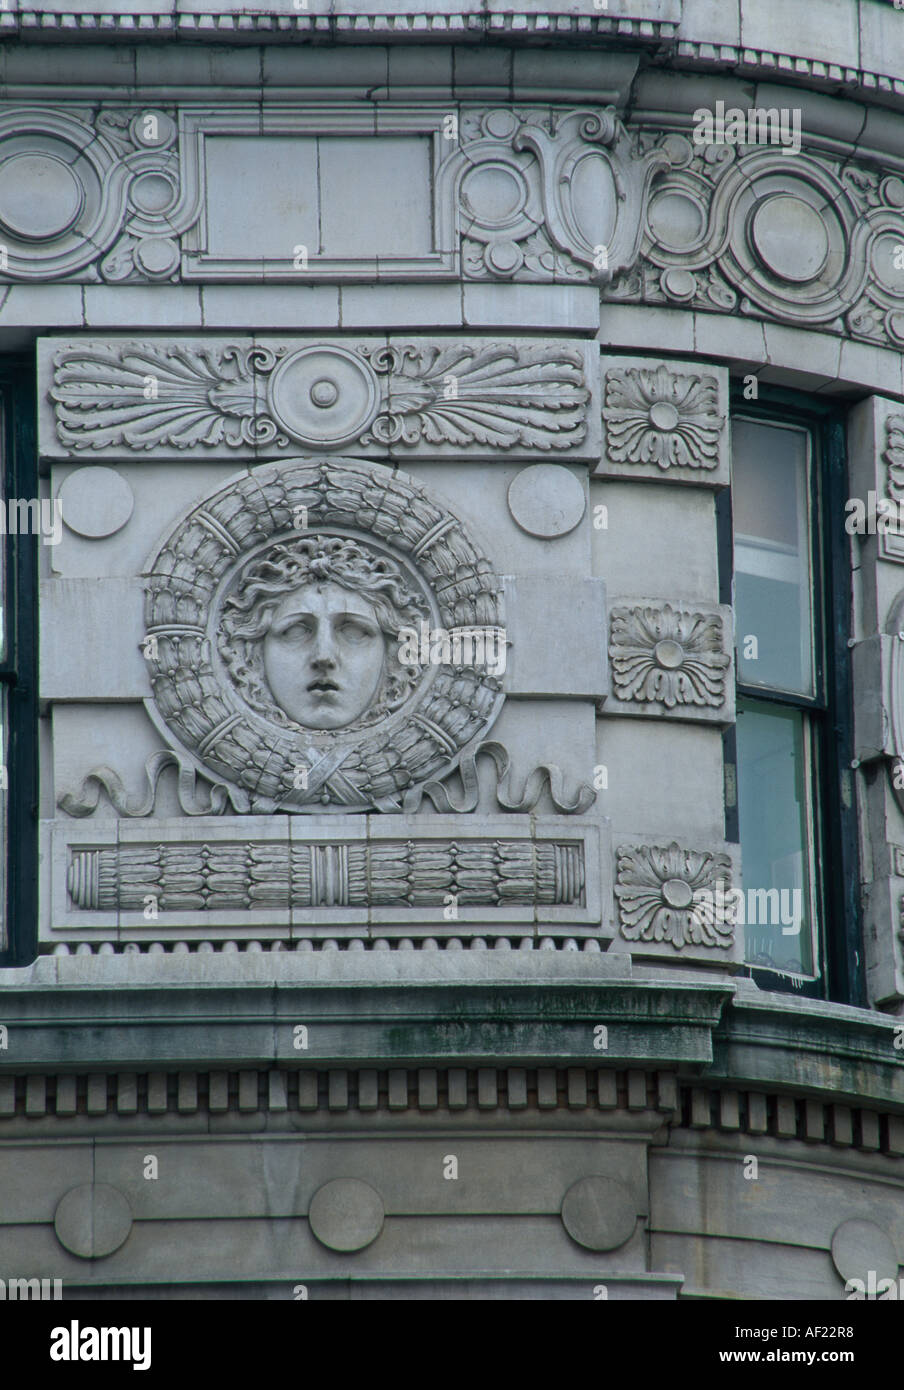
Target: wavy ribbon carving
[[86, 801], [546, 775]]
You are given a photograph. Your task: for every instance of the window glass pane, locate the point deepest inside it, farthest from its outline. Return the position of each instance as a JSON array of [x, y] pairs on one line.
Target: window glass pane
[[776, 837], [769, 492]]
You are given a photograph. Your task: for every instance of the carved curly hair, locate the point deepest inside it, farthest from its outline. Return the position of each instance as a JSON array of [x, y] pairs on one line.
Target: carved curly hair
[[263, 583]]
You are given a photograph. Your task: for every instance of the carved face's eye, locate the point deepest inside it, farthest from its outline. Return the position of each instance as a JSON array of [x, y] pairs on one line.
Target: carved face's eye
[[298, 631], [355, 630]]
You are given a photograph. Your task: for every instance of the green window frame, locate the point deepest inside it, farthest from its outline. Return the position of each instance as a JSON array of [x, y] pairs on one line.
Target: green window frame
[[788, 779], [18, 672]]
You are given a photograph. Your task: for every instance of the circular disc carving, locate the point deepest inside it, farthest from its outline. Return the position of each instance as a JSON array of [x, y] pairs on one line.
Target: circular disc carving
[[859, 1246], [598, 1213], [677, 219], [157, 255], [494, 193], [229, 585], [790, 238], [323, 396], [153, 192], [96, 501], [546, 500], [40, 196], [346, 1214], [92, 1220], [792, 225]]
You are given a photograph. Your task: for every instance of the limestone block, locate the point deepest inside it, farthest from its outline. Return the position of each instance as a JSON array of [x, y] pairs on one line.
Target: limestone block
[[91, 631], [668, 775], [232, 1177], [710, 22], [826, 31], [664, 420], [389, 182], [161, 493], [880, 39], [116, 736], [746, 1269], [35, 1176], [674, 529], [521, 306], [274, 308], [883, 913], [482, 498], [279, 206], [369, 307], [569, 658], [876, 472], [192, 1252], [788, 1202]]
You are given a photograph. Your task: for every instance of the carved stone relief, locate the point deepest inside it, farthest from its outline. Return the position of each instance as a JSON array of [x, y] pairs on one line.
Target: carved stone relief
[[655, 890], [549, 194], [890, 534], [328, 876], [525, 193], [273, 619], [91, 194], [670, 660], [401, 873], [664, 421], [809, 241], [239, 397]]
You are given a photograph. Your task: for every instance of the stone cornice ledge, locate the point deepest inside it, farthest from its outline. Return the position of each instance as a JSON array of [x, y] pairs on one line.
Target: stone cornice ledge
[[773, 1040], [837, 48], [528, 1016], [470, 1010]]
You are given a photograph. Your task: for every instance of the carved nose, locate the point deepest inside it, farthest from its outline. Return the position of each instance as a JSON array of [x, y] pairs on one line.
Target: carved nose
[[323, 661]]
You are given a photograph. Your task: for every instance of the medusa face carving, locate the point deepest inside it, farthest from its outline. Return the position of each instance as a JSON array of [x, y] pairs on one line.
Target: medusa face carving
[[310, 635], [278, 671]]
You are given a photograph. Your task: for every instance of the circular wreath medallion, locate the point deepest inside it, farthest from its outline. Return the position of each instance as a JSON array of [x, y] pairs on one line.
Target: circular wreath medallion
[[310, 533]]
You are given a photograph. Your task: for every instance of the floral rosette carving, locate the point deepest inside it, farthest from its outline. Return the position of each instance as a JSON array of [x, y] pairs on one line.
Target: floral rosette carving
[[668, 656], [666, 418], [675, 895]]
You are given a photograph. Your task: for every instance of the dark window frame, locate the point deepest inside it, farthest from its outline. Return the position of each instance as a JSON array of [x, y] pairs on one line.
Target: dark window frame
[[834, 810], [19, 668]]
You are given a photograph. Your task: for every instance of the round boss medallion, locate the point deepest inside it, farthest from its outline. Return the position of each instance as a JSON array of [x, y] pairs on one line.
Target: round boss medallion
[[280, 616]]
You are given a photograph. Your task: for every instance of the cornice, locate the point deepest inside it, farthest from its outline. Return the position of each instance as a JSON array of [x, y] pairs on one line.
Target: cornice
[[196, 1017], [678, 33]]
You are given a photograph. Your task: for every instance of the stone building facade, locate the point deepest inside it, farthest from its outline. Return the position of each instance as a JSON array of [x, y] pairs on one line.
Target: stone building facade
[[453, 688]]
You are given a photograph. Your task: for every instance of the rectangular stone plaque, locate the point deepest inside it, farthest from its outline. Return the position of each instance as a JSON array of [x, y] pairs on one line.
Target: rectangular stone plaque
[[277, 191], [323, 877]]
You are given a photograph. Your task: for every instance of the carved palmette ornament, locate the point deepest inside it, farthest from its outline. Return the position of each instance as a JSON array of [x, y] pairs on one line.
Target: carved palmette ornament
[[211, 702], [404, 873]]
